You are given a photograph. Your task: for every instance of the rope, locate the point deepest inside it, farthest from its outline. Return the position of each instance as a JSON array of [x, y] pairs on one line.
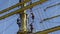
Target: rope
[[41, 19], [51, 6], [8, 27], [50, 18]]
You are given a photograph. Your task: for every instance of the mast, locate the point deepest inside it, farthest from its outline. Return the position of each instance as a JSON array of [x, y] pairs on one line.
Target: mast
[[23, 20]]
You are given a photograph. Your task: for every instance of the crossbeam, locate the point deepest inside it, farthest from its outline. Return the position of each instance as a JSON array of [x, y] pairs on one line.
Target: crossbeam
[[14, 6], [21, 10], [49, 30]]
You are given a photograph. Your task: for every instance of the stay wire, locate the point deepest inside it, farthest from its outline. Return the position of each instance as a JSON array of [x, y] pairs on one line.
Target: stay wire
[[50, 7], [40, 18], [7, 27], [48, 20]]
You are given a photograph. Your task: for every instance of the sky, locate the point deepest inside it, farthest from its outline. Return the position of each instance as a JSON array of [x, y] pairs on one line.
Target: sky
[[9, 26]]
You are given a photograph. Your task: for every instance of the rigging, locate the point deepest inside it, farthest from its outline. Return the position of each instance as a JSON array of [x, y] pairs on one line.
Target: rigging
[[51, 6]]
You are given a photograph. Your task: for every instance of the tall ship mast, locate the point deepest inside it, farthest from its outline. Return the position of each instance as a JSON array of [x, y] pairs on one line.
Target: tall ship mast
[[35, 17]]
